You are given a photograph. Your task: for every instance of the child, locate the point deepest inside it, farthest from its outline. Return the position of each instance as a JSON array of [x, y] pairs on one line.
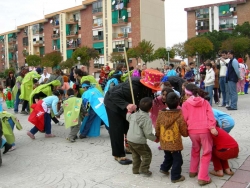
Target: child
[[183, 97], [74, 112], [40, 115], [224, 148], [1, 98], [140, 129], [8, 98], [189, 75], [247, 77], [169, 128], [198, 114]]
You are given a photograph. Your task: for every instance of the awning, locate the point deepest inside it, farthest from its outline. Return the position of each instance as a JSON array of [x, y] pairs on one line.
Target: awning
[[2, 37], [69, 53], [98, 45], [10, 35]]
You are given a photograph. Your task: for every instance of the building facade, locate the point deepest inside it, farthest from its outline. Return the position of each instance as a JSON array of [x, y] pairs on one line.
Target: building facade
[[105, 25]]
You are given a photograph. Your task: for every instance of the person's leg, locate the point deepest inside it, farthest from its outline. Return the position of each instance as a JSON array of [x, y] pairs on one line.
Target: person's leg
[[146, 156], [216, 97], [47, 124], [91, 117], [242, 87], [116, 132], [177, 163], [216, 161], [233, 94], [206, 142], [209, 89], [246, 87], [223, 90], [17, 101], [54, 119], [2, 143], [136, 157], [168, 161], [25, 104], [238, 87], [74, 130], [228, 101], [195, 153], [32, 132]]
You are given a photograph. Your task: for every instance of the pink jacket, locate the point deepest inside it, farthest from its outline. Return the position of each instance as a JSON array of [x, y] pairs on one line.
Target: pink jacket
[[157, 106], [198, 115]]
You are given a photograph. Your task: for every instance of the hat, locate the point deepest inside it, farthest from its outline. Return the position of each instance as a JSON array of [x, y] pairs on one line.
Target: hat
[[152, 79], [240, 60]]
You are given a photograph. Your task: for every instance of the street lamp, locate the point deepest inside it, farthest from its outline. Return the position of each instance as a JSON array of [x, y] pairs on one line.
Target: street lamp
[[78, 59], [168, 50]]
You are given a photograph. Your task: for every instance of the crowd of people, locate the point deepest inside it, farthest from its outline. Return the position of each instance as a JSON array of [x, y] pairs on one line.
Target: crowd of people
[[163, 100]]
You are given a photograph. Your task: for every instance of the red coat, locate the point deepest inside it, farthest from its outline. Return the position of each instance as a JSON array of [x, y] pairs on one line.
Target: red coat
[[37, 115]]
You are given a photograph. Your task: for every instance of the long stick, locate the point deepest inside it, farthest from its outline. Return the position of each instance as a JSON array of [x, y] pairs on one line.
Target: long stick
[[129, 77]]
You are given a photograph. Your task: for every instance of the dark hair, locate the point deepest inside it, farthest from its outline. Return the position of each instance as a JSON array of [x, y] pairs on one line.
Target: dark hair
[[171, 65], [78, 72], [208, 64], [172, 100], [119, 66], [58, 92], [167, 84], [70, 92], [223, 52], [86, 82], [196, 91], [231, 52], [191, 63], [145, 104], [167, 89]]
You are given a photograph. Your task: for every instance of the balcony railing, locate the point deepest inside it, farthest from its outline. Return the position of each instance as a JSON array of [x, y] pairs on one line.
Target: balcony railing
[[55, 48], [72, 45], [118, 49], [98, 37], [12, 40], [72, 33], [199, 28], [25, 44], [54, 36], [38, 43], [96, 10], [97, 25], [227, 26], [120, 35]]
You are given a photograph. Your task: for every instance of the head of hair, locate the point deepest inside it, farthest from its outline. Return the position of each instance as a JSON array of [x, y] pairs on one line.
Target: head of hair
[[119, 66], [65, 78], [191, 63], [58, 71], [78, 72], [70, 92], [58, 92], [196, 91], [167, 84], [167, 89], [172, 100], [188, 69], [223, 52], [86, 82], [171, 65], [185, 84], [208, 63], [231, 52], [145, 104]]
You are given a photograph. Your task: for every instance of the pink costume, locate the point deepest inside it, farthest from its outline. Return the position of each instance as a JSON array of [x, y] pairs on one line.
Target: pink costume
[[157, 106]]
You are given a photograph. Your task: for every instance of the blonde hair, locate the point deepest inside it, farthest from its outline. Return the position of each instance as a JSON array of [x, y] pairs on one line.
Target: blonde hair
[[188, 69]]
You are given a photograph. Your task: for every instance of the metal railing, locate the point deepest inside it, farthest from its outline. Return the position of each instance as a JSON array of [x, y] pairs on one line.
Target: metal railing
[[57, 35], [96, 10], [119, 35], [97, 37]]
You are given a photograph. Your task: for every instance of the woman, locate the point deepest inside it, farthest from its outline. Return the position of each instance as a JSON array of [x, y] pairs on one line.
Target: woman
[[216, 83], [11, 80], [209, 80], [56, 76]]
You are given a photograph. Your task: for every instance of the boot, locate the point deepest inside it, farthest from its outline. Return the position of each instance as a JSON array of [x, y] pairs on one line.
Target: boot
[[8, 104]]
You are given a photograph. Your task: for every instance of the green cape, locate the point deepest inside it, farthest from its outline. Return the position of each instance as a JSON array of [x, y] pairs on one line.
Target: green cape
[[27, 85], [7, 130], [92, 82], [15, 88], [71, 108], [124, 77]]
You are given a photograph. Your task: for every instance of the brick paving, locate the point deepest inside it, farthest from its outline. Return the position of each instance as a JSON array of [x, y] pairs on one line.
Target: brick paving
[[56, 163]]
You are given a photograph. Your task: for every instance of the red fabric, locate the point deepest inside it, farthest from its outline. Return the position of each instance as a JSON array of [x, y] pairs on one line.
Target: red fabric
[[223, 140], [9, 95], [37, 115]]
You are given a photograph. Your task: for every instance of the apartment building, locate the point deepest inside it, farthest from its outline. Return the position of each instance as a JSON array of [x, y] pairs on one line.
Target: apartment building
[[105, 25]]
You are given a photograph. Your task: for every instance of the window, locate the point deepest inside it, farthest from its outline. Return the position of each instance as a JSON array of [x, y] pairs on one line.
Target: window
[[97, 6], [202, 13], [99, 63], [97, 22]]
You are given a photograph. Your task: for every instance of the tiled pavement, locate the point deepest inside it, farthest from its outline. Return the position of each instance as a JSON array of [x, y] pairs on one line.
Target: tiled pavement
[[56, 163]]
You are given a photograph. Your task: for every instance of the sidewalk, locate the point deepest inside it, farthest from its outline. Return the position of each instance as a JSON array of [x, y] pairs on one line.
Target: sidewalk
[[56, 163]]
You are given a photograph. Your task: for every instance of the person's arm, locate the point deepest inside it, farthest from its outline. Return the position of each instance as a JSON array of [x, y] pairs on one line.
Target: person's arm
[[183, 127], [147, 130], [54, 106], [117, 96], [235, 65]]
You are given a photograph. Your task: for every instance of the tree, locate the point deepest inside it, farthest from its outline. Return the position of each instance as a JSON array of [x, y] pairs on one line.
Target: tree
[[146, 51], [116, 57], [200, 45], [162, 53], [133, 53], [242, 30], [240, 45], [6, 72], [86, 54], [67, 64], [52, 59], [33, 60], [179, 50]]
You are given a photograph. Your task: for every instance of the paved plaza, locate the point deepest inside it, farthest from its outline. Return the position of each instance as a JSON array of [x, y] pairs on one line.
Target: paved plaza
[[56, 163]]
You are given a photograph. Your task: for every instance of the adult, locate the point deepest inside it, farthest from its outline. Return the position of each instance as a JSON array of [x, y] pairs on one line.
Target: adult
[[11, 80], [209, 80], [216, 83], [56, 76], [233, 76], [223, 61], [71, 76], [181, 70], [171, 71], [44, 77], [118, 100], [175, 81]]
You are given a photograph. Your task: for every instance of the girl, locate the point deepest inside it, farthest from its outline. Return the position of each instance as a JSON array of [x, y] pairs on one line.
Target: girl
[[1, 98], [183, 97], [40, 115], [209, 80], [189, 75], [216, 83], [200, 120]]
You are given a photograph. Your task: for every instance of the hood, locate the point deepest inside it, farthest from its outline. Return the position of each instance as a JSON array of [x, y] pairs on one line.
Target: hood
[[171, 117], [195, 101]]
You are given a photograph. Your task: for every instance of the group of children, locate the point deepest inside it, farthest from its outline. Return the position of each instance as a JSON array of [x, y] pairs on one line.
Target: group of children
[[205, 130]]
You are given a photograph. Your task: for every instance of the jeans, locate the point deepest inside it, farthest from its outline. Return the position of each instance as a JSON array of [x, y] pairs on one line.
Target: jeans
[[224, 90], [216, 95], [47, 125], [172, 159], [17, 101], [91, 117], [246, 87], [209, 89], [233, 95]]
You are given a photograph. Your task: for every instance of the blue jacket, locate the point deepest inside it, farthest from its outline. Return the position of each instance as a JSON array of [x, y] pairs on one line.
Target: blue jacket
[[233, 73]]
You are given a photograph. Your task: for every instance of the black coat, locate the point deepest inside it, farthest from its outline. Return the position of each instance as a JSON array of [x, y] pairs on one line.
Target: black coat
[[118, 98], [176, 82], [10, 82]]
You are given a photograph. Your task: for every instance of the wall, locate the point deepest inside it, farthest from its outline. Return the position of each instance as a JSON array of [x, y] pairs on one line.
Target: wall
[[48, 31], [21, 48], [191, 24]]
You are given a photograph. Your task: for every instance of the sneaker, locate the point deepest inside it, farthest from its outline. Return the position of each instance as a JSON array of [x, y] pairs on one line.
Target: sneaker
[[164, 172], [146, 174], [60, 123], [217, 103], [82, 136], [71, 139], [203, 182], [24, 112], [30, 135], [221, 105], [12, 148], [227, 106], [182, 178], [239, 93], [7, 147], [49, 135], [242, 93]]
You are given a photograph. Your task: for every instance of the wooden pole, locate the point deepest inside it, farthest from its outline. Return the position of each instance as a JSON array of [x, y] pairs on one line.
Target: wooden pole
[[129, 76]]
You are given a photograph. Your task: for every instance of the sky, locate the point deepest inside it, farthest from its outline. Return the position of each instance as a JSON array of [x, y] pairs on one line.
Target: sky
[[17, 12]]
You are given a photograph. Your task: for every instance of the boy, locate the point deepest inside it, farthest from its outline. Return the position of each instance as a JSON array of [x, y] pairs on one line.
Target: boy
[[74, 113], [170, 125], [140, 129]]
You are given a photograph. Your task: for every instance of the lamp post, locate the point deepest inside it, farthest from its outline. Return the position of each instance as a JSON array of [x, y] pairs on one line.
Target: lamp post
[[78, 64], [168, 50]]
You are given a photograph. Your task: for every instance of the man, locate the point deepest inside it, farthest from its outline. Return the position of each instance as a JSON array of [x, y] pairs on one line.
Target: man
[[233, 75], [44, 77], [223, 61]]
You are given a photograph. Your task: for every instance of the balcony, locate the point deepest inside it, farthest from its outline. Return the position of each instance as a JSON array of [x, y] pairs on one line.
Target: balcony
[[25, 44], [12, 40], [56, 23], [97, 25], [202, 16], [12, 48], [119, 35], [202, 28], [71, 45], [97, 37], [227, 26], [119, 49], [55, 36], [119, 22], [72, 21], [72, 34], [55, 48], [97, 11], [38, 43]]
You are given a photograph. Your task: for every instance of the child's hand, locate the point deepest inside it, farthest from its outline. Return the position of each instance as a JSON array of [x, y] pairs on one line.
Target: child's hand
[[157, 140], [214, 132], [131, 107]]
